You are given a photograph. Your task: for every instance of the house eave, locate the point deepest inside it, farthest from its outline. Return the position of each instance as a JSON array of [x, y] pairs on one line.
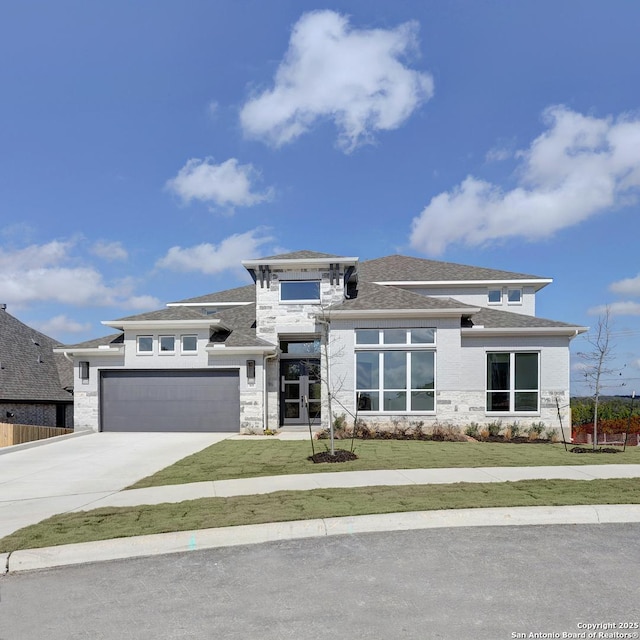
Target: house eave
[[224, 350], [570, 332], [301, 262], [165, 324], [403, 313], [208, 304], [538, 283], [91, 351]]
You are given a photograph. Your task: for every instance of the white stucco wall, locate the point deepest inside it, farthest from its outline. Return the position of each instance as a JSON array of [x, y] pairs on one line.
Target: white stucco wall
[[460, 374]]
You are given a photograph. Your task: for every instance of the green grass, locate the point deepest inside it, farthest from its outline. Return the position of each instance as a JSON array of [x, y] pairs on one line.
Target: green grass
[[246, 459], [107, 523]]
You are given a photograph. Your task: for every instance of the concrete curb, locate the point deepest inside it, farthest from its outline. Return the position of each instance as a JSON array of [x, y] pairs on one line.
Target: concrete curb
[[164, 543]]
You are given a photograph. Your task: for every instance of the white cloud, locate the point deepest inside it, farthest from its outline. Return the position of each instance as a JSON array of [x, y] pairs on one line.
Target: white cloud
[[628, 286], [354, 77], [61, 324], [49, 273], [141, 302], [110, 250], [208, 258], [579, 167], [624, 308], [498, 154], [228, 184]]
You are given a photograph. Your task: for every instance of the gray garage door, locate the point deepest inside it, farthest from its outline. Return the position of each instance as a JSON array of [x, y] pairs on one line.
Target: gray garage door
[[170, 400]]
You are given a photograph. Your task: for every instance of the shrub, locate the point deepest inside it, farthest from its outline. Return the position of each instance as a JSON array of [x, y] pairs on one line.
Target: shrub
[[473, 430], [515, 430], [552, 435], [507, 433], [535, 430], [495, 428], [483, 433]]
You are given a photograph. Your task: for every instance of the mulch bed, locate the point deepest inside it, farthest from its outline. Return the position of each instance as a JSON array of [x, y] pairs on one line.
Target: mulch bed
[[592, 450], [340, 456]]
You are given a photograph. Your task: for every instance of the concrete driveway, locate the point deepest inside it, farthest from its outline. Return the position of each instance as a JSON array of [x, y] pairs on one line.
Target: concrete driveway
[[56, 477]]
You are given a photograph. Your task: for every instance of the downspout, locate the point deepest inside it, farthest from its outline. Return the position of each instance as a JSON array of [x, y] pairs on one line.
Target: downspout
[[265, 395]]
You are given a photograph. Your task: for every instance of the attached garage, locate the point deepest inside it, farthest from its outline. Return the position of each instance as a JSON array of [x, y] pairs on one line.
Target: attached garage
[[177, 400]]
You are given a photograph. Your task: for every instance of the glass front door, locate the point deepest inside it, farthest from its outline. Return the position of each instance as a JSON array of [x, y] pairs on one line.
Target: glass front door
[[300, 391]]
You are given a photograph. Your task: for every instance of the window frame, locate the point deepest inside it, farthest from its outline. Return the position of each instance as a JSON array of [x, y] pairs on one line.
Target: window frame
[[520, 294], [166, 352], [384, 350], [490, 291], [315, 300], [512, 389], [145, 352], [188, 352]]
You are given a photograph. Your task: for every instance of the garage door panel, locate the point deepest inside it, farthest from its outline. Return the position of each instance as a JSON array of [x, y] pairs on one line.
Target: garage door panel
[[170, 401]]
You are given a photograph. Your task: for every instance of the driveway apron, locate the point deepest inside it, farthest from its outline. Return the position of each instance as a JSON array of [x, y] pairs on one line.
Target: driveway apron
[[59, 476]]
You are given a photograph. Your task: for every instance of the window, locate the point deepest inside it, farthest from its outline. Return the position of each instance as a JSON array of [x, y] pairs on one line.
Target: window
[[513, 382], [145, 344], [189, 344], [167, 344], [84, 370], [395, 336], [495, 296], [514, 296], [300, 347], [392, 378], [300, 291]]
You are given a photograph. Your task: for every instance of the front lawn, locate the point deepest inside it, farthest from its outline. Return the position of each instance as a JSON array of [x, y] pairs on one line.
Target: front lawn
[[107, 523], [251, 458]]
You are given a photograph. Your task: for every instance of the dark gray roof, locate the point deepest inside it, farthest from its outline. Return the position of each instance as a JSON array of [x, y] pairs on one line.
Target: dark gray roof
[[496, 319], [406, 268], [29, 370], [242, 328], [170, 313], [112, 340], [300, 255], [370, 296], [239, 294]]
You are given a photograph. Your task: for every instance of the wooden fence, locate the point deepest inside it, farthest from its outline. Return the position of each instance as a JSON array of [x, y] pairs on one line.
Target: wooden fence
[[18, 433]]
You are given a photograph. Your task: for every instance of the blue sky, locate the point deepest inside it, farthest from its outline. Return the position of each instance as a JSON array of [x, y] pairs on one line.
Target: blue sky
[[148, 147]]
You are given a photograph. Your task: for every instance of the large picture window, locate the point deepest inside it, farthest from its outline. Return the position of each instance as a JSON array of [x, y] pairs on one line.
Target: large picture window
[[513, 382], [394, 379]]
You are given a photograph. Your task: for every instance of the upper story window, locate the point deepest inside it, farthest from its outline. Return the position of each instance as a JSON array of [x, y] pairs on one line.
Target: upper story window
[[145, 344], [189, 344], [389, 337], [514, 296], [300, 291], [167, 344], [495, 296]]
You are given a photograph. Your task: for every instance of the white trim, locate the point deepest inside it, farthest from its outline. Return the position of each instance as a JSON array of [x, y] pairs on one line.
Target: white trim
[[223, 350], [103, 350], [543, 282], [208, 304], [402, 313], [289, 262], [528, 331], [162, 324]]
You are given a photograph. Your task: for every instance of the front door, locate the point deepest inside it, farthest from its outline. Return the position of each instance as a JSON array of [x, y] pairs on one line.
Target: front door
[[300, 391]]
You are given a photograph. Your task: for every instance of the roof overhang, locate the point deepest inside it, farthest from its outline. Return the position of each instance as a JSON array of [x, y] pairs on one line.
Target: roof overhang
[[538, 283], [208, 304], [205, 323], [104, 350], [403, 313], [222, 350], [300, 262], [479, 331]]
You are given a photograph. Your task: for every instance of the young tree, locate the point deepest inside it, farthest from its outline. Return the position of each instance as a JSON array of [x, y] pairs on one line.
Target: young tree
[[597, 362]]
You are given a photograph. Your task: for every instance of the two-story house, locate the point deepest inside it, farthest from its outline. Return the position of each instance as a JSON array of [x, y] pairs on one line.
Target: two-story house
[[392, 338]]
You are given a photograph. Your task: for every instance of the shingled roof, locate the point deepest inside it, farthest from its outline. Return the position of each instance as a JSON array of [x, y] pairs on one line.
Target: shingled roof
[[239, 294], [241, 332], [397, 268], [370, 296], [496, 319], [29, 370]]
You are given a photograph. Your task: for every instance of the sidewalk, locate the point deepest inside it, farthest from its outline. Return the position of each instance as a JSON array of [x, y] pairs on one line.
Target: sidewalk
[[347, 479], [123, 548]]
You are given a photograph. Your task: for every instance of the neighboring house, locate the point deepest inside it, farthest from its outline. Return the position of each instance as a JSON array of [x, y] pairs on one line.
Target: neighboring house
[[36, 385], [398, 338]]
